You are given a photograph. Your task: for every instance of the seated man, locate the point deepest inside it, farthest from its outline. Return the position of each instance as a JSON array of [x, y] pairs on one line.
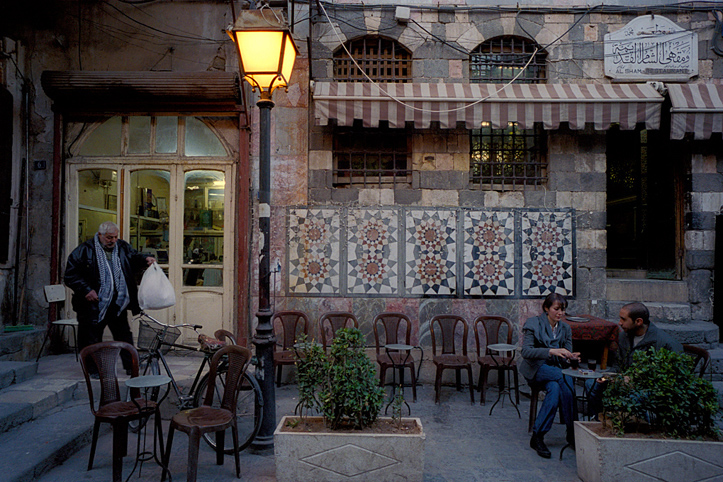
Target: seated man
[[637, 334]]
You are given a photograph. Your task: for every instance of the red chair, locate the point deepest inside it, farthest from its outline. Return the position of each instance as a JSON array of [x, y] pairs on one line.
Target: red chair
[[288, 325], [331, 322], [490, 326], [447, 352], [394, 328], [111, 408]]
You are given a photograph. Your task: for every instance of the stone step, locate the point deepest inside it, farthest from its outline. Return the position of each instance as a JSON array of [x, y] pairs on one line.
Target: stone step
[[694, 333], [677, 313], [30, 400], [661, 291], [35, 447], [16, 372]]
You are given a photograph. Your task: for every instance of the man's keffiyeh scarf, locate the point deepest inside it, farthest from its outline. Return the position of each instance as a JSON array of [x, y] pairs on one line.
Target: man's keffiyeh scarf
[[108, 279]]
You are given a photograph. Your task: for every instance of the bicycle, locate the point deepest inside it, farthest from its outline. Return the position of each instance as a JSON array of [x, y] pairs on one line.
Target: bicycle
[[155, 339]]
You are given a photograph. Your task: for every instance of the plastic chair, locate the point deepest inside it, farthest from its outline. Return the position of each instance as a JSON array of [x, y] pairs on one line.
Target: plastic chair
[[446, 352], [56, 294], [290, 325], [224, 335], [207, 419], [111, 408], [333, 321], [491, 325], [701, 358], [393, 324]]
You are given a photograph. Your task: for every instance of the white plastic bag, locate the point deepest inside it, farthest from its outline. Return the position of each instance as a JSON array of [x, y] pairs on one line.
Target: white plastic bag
[[155, 292]]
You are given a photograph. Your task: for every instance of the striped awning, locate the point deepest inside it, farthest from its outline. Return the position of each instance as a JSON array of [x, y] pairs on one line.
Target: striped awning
[[697, 108], [448, 104]]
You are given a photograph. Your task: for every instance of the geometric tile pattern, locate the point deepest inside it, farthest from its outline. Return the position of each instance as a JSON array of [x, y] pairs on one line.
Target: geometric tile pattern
[[676, 466], [547, 257], [489, 253], [372, 247], [415, 252], [431, 239], [314, 251]]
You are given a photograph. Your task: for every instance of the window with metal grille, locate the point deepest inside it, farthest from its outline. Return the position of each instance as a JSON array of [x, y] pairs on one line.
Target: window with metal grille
[[500, 59], [505, 158], [383, 60], [371, 157]]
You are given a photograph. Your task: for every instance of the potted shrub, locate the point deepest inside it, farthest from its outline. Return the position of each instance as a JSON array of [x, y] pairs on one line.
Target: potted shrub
[[658, 424], [349, 440]]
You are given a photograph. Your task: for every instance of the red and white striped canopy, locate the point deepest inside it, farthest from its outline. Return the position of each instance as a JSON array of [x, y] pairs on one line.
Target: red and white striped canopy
[[448, 104], [697, 108]]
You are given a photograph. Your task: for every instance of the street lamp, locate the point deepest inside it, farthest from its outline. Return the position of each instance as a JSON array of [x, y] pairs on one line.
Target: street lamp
[[266, 54]]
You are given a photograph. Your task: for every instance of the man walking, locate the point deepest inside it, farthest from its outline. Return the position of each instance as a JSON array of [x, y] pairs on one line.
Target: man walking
[[100, 272]]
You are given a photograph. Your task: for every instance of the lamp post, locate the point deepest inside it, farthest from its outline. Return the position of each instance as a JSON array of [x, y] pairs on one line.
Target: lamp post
[[267, 54]]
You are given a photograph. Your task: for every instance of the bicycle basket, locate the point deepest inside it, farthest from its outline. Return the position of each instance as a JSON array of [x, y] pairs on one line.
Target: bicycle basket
[[148, 338]]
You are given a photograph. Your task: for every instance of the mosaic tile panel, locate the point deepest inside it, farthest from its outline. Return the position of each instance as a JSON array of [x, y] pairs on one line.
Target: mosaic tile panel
[[314, 251], [372, 252], [547, 257], [489, 253], [430, 249]]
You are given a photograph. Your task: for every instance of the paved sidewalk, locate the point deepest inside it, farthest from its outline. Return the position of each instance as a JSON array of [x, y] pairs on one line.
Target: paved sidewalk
[[464, 443]]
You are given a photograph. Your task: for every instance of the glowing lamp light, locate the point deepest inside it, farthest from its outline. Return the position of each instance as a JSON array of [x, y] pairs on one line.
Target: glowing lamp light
[[266, 49]]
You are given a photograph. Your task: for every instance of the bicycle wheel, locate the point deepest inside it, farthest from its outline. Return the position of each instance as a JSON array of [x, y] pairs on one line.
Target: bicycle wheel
[[148, 365], [249, 410]]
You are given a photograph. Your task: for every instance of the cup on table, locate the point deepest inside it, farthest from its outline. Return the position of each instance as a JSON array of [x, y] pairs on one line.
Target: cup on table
[[574, 363], [592, 364]]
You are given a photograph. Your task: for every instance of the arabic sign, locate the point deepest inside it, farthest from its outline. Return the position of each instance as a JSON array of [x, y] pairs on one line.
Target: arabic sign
[[651, 47]]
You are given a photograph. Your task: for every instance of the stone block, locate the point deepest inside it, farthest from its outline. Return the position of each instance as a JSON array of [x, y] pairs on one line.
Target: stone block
[[540, 199], [692, 332], [706, 201], [453, 180], [472, 198], [700, 259], [703, 163], [407, 197], [707, 182], [590, 201], [319, 196], [562, 162], [511, 199], [321, 161], [591, 220], [592, 181], [440, 197], [345, 195], [700, 240], [320, 179], [592, 239], [591, 258], [565, 181], [700, 221]]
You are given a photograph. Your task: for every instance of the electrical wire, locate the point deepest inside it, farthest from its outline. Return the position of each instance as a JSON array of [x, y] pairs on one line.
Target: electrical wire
[[411, 106]]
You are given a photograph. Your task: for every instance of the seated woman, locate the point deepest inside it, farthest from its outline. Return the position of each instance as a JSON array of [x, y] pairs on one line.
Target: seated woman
[[546, 347]]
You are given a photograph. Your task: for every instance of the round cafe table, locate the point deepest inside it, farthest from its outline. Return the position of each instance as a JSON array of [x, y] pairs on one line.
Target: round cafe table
[[398, 363], [147, 383], [503, 370], [573, 375]]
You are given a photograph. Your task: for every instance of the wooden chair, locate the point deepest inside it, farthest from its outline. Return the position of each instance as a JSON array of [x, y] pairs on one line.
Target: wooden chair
[[56, 294], [490, 326], [446, 351], [330, 322], [701, 357], [288, 325], [111, 408], [395, 328], [207, 419]]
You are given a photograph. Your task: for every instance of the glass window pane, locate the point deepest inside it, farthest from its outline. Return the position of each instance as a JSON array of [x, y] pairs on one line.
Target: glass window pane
[[105, 140], [200, 140], [139, 135], [166, 134], [150, 212], [203, 218], [97, 200]]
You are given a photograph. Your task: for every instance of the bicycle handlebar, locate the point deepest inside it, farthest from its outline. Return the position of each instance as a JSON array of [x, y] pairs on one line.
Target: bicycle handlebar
[[143, 314]]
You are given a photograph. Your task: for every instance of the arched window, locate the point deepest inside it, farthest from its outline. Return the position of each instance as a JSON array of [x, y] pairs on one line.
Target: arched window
[[383, 60], [505, 158], [500, 59]]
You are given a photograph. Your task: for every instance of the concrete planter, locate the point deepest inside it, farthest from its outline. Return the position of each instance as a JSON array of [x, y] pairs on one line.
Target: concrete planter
[[603, 459], [334, 456]]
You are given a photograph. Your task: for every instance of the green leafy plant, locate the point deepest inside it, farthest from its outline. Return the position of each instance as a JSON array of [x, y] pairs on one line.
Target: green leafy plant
[[660, 392], [341, 385]]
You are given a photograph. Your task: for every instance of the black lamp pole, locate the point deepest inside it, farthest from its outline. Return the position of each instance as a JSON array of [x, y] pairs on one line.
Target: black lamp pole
[[264, 338]]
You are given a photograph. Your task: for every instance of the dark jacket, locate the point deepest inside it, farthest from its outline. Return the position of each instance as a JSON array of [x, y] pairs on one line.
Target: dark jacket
[[537, 341], [653, 338], [82, 276]]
